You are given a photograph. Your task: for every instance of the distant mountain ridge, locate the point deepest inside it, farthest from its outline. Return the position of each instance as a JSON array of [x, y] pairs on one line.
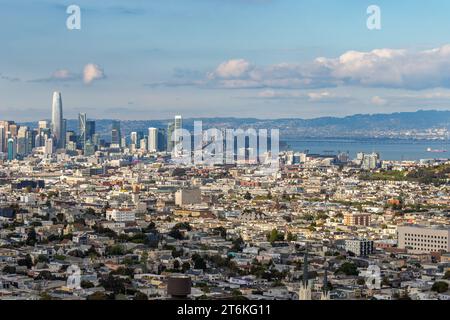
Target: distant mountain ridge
[[359, 125]]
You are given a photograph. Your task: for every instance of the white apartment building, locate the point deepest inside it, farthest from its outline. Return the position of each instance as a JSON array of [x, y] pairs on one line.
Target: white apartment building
[[121, 215]]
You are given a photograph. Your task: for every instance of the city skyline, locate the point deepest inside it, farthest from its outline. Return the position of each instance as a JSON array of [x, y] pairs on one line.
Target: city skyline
[[155, 59]]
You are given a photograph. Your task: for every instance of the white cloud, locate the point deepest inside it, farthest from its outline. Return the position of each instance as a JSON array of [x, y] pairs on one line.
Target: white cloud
[[92, 72], [231, 69], [63, 74], [378, 101], [386, 68]]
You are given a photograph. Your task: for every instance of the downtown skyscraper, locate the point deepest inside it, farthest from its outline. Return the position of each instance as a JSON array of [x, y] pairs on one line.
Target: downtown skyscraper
[[58, 130]]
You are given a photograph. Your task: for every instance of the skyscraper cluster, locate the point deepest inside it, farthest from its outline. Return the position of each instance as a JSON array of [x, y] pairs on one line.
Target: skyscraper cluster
[[51, 136]]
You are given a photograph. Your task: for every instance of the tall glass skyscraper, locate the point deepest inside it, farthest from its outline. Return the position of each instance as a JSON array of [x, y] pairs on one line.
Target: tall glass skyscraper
[[57, 120], [116, 134], [82, 119]]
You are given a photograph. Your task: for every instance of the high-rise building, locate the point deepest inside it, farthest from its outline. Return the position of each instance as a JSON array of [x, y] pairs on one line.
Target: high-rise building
[[82, 119], [90, 129], [170, 130], [2, 138], [134, 138], [12, 148], [57, 120], [43, 124], [162, 139], [178, 127], [13, 129], [152, 139], [49, 147], [23, 141], [116, 134]]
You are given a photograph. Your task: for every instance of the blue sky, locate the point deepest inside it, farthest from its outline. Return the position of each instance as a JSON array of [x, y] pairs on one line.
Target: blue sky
[[260, 58]]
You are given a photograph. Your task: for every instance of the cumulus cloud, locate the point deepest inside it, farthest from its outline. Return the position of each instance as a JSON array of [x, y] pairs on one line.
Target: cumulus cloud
[[92, 72], [231, 69], [380, 68], [378, 101]]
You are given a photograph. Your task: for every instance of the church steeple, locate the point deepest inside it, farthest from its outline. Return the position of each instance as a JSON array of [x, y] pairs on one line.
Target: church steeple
[[305, 267], [325, 294], [305, 290]]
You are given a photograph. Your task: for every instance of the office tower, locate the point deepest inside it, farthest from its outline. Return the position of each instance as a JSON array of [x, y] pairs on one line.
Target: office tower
[[33, 134], [162, 139], [90, 129], [57, 120], [71, 137], [152, 139], [134, 138], [2, 138], [96, 139], [12, 148], [82, 119], [43, 124], [178, 128], [13, 130], [49, 147], [23, 141], [143, 144], [89, 148], [116, 135], [170, 130], [63, 132]]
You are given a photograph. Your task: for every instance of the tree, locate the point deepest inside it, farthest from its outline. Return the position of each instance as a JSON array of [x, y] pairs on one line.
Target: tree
[[440, 287], [44, 275], [9, 269], [116, 285], [348, 268], [238, 244], [140, 296], [185, 266], [291, 237], [274, 236], [97, 296], [447, 275], [42, 258], [86, 284], [116, 250], [31, 238], [221, 231], [199, 262], [27, 261], [176, 264], [248, 196]]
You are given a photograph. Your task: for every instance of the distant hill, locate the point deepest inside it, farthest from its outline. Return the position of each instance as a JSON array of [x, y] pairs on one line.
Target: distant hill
[[359, 125]]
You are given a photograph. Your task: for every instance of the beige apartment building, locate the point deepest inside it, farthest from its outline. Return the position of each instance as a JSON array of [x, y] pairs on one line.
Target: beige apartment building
[[422, 239], [357, 219]]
